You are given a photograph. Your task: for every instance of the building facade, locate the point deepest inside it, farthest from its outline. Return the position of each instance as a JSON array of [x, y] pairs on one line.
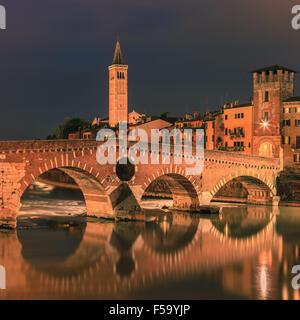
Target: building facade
[[238, 128], [290, 132]]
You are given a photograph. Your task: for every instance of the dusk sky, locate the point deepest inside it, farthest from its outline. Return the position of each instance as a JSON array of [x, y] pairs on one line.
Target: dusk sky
[[182, 56]]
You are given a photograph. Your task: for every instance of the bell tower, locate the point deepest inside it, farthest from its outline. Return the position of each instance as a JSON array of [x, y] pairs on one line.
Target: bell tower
[[271, 86], [118, 96]]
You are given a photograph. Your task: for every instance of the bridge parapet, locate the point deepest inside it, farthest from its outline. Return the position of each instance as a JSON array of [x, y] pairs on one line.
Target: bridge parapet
[[233, 158]]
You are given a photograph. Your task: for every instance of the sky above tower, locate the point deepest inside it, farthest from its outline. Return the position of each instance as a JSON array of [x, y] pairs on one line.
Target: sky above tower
[[182, 56]]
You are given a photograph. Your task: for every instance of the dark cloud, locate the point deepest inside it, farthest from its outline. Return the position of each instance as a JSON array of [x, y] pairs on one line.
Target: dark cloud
[[182, 55]]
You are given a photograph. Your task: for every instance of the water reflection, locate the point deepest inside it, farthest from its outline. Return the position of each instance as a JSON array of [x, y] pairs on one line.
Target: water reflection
[[242, 222], [247, 252]]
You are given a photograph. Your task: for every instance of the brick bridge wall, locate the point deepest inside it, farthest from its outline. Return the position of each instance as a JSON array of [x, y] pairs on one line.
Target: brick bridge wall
[[21, 162]]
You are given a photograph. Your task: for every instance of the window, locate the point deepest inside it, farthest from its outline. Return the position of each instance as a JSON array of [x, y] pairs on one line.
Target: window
[[266, 115], [288, 123], [298, 142], [226, 132], [282, 139], [242, 116], [290, 110], [297, 157], [226, 144], [297, 123], [226, 116], [258, 77], [287, 140], [249, 145], [266, 96]]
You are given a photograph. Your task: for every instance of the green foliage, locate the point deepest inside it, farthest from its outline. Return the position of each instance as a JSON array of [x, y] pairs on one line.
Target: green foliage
[[164, 116], [70, 125]]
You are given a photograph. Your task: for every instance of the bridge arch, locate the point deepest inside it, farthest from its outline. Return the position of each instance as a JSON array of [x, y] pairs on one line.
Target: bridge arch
[[98, 202], [260, 189], [182, 190]]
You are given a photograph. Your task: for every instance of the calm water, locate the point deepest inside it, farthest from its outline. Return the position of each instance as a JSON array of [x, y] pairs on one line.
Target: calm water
[[247, 252]]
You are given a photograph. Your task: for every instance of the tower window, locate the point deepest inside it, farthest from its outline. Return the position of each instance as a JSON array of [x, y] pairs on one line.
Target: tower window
[[267, 96], [258, 78], [266, 115]]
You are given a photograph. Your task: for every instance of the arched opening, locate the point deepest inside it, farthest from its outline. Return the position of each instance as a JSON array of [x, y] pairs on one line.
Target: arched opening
[[66, 191], [173, 187], [266, 150], [244, 189]]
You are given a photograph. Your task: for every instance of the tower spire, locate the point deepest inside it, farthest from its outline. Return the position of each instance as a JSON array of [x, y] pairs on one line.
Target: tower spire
[[118, 58]]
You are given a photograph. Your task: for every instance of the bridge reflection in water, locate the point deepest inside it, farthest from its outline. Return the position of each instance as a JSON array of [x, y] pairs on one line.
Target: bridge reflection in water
[[247, 252]]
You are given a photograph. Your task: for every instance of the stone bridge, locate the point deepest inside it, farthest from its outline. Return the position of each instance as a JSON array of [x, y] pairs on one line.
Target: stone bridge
[[110, 190]]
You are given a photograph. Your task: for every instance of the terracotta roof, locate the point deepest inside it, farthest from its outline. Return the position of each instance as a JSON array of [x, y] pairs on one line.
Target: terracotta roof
[[273, 68]]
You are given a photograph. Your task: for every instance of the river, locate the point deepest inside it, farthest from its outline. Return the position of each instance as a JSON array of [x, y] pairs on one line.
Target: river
[[247, 252]]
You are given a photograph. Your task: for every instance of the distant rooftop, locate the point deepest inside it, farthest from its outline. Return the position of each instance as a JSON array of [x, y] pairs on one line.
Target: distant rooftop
[[248, 104], [292, 99], [275, 67]]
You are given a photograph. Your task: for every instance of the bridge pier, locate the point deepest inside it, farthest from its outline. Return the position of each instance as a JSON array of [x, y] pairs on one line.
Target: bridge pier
[[205, 198], [275, 201]]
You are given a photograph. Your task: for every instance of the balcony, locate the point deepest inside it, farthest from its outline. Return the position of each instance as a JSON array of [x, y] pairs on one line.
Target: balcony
[[238, 134]]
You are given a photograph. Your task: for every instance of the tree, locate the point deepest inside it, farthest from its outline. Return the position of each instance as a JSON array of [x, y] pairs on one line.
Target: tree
[[70, 125], [164, 116]]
